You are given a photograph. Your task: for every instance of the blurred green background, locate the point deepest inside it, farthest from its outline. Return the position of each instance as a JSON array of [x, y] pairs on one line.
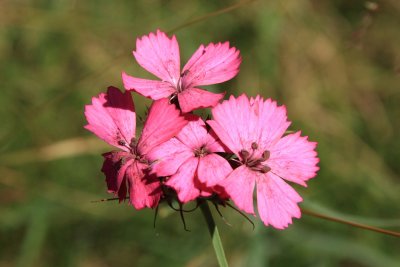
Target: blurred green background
[[334, 64]]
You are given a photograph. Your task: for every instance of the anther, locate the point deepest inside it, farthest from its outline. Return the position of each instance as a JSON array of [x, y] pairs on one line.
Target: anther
[[265, 169], [201, 152], [121, 142], [254, 145], [244, 154], [266, 154], [183, 74]]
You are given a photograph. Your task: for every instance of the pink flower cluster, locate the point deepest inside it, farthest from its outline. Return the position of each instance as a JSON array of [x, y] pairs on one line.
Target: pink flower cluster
[[242, 149]]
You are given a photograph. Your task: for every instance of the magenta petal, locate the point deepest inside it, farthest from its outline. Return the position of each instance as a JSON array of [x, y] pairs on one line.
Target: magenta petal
[[231, 122], [213, 169], [239, 122], [214, 144], [194, 98], [194, 134], [159, 55], [213, 64], [148, 88], [114, 168], [294, 158], [168, 157], [184, 181], [144, 190], [272, 121], [112, 117], [277, 201], [163, 122], [239, 185]]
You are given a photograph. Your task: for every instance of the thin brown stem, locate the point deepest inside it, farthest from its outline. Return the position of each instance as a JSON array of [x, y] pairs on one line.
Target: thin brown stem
[[354, 224], [209, 15]]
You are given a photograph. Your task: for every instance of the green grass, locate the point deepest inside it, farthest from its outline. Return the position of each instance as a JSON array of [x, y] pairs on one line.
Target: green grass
[[334, 64]]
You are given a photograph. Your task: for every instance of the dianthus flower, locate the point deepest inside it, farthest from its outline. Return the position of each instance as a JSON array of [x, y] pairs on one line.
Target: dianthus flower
[[191, 161], [158, 54], [112, 117], [253, 129]]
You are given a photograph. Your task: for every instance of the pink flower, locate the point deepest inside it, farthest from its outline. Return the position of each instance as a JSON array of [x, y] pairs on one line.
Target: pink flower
[[253, 130], [191, 161], [215, 63], [112, 117]]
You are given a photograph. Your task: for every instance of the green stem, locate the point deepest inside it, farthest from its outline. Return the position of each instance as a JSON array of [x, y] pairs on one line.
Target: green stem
[[216, 240]]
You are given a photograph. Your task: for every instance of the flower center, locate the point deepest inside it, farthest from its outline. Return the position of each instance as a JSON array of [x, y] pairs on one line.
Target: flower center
[[180, 86], [133, 149], [201, 152], [253, 162]]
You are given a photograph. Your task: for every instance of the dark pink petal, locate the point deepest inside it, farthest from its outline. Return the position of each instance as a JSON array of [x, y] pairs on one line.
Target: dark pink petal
[[241, 122], [114, 167], [194, 98], [168, 157], [214, 144], [163, 122], [276, 201], [148, 88], [184, 181], [144, 190], [213, 169], [194, 134], [294, 158], [231, 121], [272, 121], [213, 64], [112, 117], [239, 185], [159, 55]]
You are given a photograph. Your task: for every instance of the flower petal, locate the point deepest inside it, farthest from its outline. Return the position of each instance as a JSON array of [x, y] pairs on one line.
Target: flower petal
[[112, 117], [144, 190], [276, 201], [239, 185], [213, 169], [114, 167], [272, 121], [294, 158], [239, 122], [148, 88], [163, 122], [184, 181], [159, 55], [168, 157], [231, 123], [194, 98], [214, 144], [194, 134], [213, 64]]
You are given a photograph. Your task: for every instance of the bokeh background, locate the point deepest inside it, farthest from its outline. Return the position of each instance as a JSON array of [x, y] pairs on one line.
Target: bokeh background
[[334, 64]]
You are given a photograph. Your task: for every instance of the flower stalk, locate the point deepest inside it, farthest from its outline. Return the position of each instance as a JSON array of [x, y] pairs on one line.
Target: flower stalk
[[216, 239]]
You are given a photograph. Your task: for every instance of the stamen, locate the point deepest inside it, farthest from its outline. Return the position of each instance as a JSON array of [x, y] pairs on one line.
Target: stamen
[[201, 152], [121, 142], [265, 169], [254, 145], [266, 154], [244, 154], [186, 72]]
